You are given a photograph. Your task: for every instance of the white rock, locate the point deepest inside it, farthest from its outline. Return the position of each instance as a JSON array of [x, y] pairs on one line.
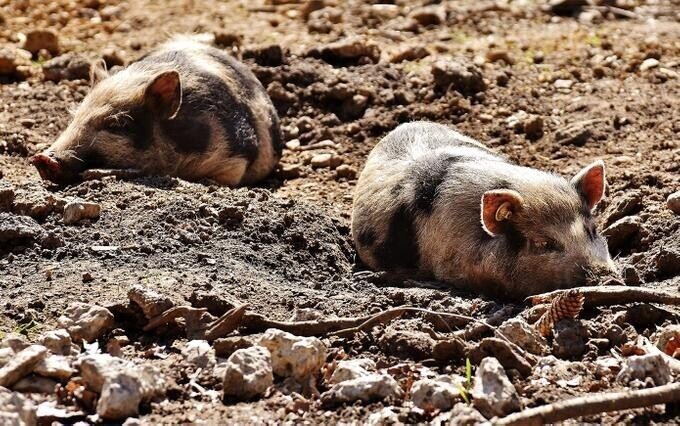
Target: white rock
[[15, 409], [352, 369], [86, 322], [151, 302], [294, 356], [648, 64], [120, 397], [383, 417], [248, 373], [563, 84], [58, 342], [493, 394], [14, 341], [643, 366], [76, 210], [199, 353], [673, 202], [440, 393], [368, 388], [21, 365], [55, 367], [305, 314], [523, 335]]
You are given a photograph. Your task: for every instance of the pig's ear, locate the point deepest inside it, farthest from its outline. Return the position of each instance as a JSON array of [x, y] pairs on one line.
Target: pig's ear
[[498, 206], [98, 72], [590, 183], [164, 94]]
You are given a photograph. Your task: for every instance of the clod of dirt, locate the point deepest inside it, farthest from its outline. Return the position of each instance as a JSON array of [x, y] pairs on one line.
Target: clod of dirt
[[69, 66], [621, 232], [350, 50], [462, 76], [15, 408], [352, 369], [34, 384], [228, 345], [86, 322], [38, 40], [493, 394], [58, 342], [369, 388], [437, 394], [429, 15], [641, 367], [151, 302], [673, 202], [19, 230], [77, 210], [199, 353], [626, 205], [14, 62], [449, 350], [576, 134], [293, 356], [15, 342], [6, 196], [409, 53], [21, 365], [248, 373], [667, 262], [523, 335], [268, 56], [403, 341], [36, 202], [502, 352], [54, 367], [570, 338]]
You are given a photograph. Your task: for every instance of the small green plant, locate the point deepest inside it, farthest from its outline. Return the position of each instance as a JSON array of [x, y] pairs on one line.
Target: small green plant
[[465, 388]]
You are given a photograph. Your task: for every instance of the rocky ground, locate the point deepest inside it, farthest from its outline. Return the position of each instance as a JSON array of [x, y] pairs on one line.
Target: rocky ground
[[552, 86]]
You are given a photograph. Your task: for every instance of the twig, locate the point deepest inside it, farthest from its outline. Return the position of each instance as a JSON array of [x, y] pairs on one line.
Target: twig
[[593, 404], [617, 11], [227, 323], [379, 318], [613, 295], [171, 314]]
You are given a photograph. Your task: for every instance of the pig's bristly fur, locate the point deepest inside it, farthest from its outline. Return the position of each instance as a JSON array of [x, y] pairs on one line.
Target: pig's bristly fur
[[417, 213]]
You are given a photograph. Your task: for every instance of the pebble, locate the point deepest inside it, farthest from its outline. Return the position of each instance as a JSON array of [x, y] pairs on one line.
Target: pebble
[[35, 384], [640, 367], [648, 64], [673, 202], [37, 40], [85, 322], [368, 388], [321, 160], [352, 369], [22, 364], [570, 338], [619, 233], [15, 409], [533, 127], [290, 171], [429, 15], [561, 84], [498, 55], [493, 394], [345, 171], [348, 49], [199, 353], [404, 341], [576, 134], [151, 302], [113, 57], [69, 66], [523, 335], [54, 367], [77, 210], [248, 373], [464, 77], [270, 55], [226, 346], [294, 356], [440, 393], [409, 53]]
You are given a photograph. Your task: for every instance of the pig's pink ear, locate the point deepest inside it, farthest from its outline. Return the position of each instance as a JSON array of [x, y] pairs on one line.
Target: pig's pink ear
[[98, 72], [164, 94], [498, 206], [590, 183]]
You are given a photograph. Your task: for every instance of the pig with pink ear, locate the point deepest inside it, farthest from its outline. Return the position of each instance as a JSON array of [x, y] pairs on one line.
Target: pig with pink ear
[[185, 109], [432, 203]]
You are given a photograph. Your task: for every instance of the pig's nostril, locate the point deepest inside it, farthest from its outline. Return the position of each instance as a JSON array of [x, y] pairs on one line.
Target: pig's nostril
[[47, 165]]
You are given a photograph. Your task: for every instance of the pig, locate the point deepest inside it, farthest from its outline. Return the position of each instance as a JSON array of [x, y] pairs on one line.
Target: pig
[[432, 203], [185, 109]]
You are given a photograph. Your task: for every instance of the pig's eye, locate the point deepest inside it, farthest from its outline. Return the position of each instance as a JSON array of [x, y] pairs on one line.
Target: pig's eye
[[544, 245]]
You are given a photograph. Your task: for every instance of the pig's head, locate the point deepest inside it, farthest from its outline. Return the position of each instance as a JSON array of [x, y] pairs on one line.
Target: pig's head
[[549, 235], [114, 125]]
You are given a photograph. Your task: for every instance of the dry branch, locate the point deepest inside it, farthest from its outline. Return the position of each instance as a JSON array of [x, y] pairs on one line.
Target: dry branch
[[227, 323], [613, 295], [171, 314], [593, 404]]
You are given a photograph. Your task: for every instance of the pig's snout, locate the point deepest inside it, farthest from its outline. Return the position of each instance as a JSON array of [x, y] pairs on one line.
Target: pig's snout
[[599, 272], [52, 168]]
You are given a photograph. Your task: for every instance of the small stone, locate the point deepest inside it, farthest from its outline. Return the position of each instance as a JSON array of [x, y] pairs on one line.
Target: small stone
[[453, 349], [566, 7], [345, 171], [321, 160], [294, 356], [199, 353], [18, 230], [293, 144], [21, 365], [35, 384], [561, 84], [113, 57], [437, 394], [227, 39], [75, 211], [640, 367], [619, 233], [86, 322], [464, 77], [350, 49], [629, 203], [120, 398], [54, 367], [673, 202], [151, 302], [570, 338], [69, 66], [574, 134], [368, 388], [386, 416], [42, 39], [15, 409], [352, 369], [16, 342], [409, 53], [248, 373], [398, 340], [228, 345], [429, 15], [667, 262], [523, 335], [6, 196], [498, 55], [493, 394], [268, 55], [533, 127], [290, 171], [648, 64]]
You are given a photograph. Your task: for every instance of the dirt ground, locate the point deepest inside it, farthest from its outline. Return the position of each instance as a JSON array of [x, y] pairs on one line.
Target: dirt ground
[[585, 75]]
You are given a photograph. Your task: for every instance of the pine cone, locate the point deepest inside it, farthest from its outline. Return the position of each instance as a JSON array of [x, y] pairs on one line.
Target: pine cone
[[567, 304]]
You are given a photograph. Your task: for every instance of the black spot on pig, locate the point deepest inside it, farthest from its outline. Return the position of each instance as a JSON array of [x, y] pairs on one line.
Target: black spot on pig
[[400, 248], [137, 124], [429, 175], [242, 75], [188, 135]]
